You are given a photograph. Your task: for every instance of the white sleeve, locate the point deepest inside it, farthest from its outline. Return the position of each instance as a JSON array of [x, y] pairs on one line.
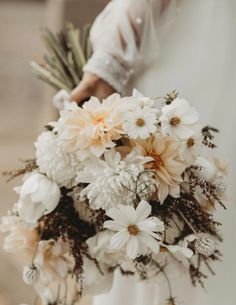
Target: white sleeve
[[124, 40]]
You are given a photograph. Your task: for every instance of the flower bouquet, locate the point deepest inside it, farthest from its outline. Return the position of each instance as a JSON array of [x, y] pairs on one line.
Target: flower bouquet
[[119, 185]]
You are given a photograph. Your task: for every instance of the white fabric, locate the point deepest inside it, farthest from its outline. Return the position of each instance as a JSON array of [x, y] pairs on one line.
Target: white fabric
[[190, 45]]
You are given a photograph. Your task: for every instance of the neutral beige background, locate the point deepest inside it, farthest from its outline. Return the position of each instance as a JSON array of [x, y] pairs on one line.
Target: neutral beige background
[[24, 103]]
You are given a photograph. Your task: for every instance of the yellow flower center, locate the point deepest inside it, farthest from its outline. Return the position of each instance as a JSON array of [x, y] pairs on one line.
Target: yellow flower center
[[133, 230], [175, 121], [190, 142], [140, 122]]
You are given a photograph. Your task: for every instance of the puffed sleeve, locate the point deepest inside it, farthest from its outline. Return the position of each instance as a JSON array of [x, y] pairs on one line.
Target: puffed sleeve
[[124, 40]]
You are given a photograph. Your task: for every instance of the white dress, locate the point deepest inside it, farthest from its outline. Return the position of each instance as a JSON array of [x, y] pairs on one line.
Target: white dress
[[190, 45]]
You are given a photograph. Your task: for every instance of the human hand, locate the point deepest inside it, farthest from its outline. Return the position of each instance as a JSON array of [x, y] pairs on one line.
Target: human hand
[[91, 85]]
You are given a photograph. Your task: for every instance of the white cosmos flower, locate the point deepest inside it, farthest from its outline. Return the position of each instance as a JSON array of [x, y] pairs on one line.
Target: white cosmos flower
[[179, 119], [137, 233], [38, 196], [140, 123], [110, 180], [52, 160], [190, 148], [182, 246], [138, 99]]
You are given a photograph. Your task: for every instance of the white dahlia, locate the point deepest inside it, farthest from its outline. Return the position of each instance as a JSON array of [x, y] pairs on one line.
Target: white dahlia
[[58, 165], [179, 119], [112, 181], [137, 233]]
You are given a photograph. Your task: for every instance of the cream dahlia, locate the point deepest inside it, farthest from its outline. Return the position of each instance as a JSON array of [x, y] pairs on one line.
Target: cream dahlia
[[165, 163], [92, 128]]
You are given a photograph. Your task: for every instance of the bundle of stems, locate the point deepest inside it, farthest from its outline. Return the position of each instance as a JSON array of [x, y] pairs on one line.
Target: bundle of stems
[[67, 53]]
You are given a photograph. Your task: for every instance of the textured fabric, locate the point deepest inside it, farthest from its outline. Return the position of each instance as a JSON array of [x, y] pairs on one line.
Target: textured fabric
[[190, 46]]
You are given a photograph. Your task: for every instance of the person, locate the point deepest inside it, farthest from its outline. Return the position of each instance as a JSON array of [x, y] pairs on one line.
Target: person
[[157, 46]]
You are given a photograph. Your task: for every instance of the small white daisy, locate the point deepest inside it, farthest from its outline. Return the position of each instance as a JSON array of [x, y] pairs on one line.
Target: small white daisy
[[179, 119], [140, 123], [190, 148], [136, 232]]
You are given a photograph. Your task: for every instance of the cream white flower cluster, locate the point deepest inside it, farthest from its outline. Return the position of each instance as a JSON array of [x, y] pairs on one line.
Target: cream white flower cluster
[[117, 156]]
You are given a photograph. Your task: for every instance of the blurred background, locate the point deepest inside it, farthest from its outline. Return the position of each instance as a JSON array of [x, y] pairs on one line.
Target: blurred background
[[25, 103]]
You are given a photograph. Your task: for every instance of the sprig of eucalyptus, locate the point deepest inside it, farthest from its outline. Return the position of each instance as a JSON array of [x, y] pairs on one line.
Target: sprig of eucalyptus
[[67, 53]]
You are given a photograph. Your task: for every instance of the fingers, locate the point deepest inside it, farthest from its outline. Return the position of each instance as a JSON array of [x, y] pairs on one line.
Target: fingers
[[79, 94]]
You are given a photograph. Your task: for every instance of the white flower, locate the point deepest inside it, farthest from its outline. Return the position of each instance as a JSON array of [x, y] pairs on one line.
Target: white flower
[[182, 246], [100, 248], [92, 128], [166, 164], [207, 169], [58, 165], [110, 180], [60, 99], [138, 99], [48, 292], [190, 148], [20, 237], [140, 123], [95, 281], [178, 119], [136, 232], [213, 172], [38, 196], [51, 259]]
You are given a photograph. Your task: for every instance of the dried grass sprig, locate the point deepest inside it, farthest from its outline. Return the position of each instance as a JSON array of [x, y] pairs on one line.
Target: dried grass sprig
[[67, 53], [29, 166]]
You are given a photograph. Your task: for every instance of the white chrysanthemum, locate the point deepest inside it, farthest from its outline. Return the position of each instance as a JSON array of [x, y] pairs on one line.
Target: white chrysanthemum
[[140, 123], [111, 180], [136, 231], [179, 119], [58, 165]]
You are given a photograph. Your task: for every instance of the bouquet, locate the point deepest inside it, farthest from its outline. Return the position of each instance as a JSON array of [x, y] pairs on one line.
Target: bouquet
[[119, 185]]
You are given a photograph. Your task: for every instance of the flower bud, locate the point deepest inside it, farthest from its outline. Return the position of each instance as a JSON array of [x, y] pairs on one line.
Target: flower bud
[[205, 244], [30, 275]]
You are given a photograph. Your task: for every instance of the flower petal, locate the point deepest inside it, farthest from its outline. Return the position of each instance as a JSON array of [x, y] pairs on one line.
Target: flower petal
[[143, 211], [119, 240], [133, 247]]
